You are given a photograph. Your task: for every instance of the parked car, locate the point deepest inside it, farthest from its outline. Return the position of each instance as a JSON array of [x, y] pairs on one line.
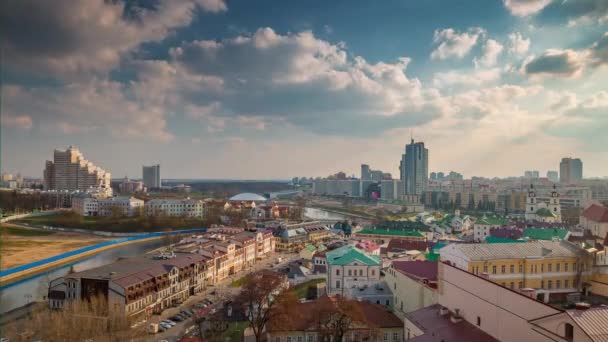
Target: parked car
[[187, 312], [165, 326], [171, 323], [176, 318]]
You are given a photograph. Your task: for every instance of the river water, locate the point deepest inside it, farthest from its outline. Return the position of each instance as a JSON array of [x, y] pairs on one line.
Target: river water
[[320, 214], [22, 292]]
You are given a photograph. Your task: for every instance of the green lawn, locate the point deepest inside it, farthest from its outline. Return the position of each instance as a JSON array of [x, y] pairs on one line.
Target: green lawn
[[236, 331], [237, 282], [302, 289], [25, 232]]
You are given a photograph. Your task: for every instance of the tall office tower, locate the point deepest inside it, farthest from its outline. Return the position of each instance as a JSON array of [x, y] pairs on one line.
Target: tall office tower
[[415, 168], [70, 171], [366, 174], [531, 174], [553, 176], [151, 176], [570, 170]]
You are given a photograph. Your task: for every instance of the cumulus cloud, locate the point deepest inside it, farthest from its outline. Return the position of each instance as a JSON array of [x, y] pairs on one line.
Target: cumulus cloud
[[476, 77], [599, 51], [586, 11], [23, 122], [491, 50], [524, 8], [99, 105], [586, 121], [555, 62], [451, 43], [72, 37], [518, 44], [307, 81]]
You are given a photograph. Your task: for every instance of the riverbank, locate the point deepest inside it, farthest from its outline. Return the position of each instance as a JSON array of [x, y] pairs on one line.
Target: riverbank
[[343, 211], [17, 244], [31, 271]]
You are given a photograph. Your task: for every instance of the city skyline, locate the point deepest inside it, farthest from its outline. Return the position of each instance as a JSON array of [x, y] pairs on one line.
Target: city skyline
[[225, 89]]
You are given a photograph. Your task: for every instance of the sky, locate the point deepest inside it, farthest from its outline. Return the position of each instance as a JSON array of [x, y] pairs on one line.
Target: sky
[[275, 89]]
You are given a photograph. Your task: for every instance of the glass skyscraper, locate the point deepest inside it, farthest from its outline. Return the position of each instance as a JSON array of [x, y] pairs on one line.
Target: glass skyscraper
[[415, 168]]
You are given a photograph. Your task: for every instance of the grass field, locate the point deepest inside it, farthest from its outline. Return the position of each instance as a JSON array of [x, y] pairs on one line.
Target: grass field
[[112, 224], [16, 231], [302, 289]]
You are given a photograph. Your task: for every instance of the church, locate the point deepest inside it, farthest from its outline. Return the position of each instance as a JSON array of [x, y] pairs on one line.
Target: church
[[541, 210]]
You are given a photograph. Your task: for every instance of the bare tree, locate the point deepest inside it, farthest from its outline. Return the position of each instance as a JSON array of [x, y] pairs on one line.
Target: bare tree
[[336, 316], [265, 297]]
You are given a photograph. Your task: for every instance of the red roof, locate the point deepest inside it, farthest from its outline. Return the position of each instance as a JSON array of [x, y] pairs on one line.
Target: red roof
[[597, 213], [417, 269], [399, 246]]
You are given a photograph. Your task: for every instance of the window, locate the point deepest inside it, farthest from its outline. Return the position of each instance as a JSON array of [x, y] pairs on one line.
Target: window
[[360, 272], [557, 267], [485, 268], [565, 267], [493, 269], [395, 336], [374, 272], [337, 284], [300, 339], [350, 273], [549, 284], [550, 268], [542, 284], [503, 269], [478, 321], [310, 338], [386, 336], [542, 268], [288, 339], [521, 268], [566, 283], [512, 269], [569, 332], [338, 272], [574, 267], [558, 284], [521, 284]]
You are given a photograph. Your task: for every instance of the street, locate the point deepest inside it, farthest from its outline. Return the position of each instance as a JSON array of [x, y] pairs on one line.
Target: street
[[222, 291]]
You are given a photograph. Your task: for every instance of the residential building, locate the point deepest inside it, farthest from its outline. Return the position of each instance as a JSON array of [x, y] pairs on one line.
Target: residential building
[[349, 267], [123, 205], [368, 247], [551, 268], [70, 171], [391, 190], [415, 168], [366, 173], [413, 283], [175, 207], [136, 287], [151, 176], [129, 186], [483, 225], [531, 174], [553, 176], [595, 220], [504, 314], [375, 324], [570, 170], [85, 205]]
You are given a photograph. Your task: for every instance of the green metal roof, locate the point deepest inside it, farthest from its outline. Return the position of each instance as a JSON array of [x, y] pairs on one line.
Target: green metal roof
[[347, 254], [492, 220], [431, 256], [494, 239], [544, 233], [389, 231], [544, 212]]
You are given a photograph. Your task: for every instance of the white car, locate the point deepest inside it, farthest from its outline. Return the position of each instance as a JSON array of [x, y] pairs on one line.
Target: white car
[[171, 323]]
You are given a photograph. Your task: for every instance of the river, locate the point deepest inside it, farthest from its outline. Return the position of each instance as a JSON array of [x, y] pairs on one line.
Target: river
[[22, 292], [321, 214]]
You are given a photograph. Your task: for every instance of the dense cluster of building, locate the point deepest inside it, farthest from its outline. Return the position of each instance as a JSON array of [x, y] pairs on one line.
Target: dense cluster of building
[[140, 286]]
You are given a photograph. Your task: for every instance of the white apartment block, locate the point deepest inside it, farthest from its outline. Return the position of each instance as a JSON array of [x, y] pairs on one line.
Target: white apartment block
[[350, 267], [85, 205], [127, 206], [175, 207], [70, 171]]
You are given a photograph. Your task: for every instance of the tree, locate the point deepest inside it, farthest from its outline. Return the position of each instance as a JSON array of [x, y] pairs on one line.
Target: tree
[[336, 316], [264, 297]]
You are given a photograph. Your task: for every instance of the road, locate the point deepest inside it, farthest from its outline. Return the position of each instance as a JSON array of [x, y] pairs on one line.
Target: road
[[222, 291]]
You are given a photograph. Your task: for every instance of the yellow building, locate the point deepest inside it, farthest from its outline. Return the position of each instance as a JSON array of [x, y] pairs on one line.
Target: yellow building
[[550, 268]]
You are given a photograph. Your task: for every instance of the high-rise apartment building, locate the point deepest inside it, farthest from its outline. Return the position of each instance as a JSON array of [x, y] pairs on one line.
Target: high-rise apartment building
[[553, 176], [365, 172], [532, 174], [70, 171], [415, 168], [151, 176], [570, 170]]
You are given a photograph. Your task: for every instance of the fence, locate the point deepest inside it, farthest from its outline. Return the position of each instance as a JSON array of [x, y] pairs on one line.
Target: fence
[[75, 252]]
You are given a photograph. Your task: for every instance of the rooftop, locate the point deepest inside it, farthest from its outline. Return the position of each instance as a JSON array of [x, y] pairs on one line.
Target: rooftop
[[594, 322], [398, 245], [531, 249], [417, 269], [544, 233], [390, 231], [494, 239], [492, 220], [347, 254], [506, 232], [440, 328], [596, 212]]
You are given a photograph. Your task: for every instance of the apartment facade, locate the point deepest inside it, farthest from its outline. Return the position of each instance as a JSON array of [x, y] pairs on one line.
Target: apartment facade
[[349, 267], [413, 283], [123, 205], [175, 207], [551, 268], [85, 205], [70, 171], [151, 176]]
